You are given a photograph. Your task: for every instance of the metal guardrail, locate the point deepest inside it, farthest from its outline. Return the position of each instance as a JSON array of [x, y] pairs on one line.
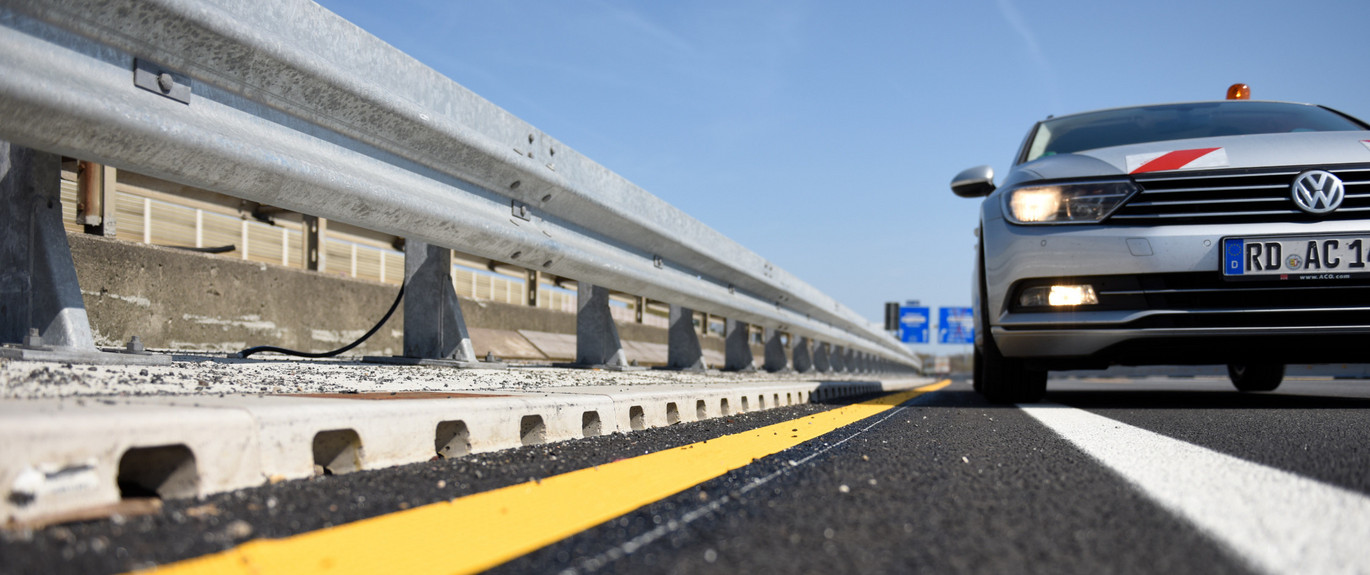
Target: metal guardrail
[[287, 104]]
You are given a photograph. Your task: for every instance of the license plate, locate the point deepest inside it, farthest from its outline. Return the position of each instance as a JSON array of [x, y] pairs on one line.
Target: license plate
[[1297, 257]]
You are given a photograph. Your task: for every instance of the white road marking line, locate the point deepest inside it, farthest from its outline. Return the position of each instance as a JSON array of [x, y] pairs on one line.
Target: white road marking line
[[1278, 521]]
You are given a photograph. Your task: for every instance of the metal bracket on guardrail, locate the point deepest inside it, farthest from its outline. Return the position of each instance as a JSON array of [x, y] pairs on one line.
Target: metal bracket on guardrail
[[775, 351], [159, 80], [737, 350], [434, 329], [803, 356], [683, 351], [42, 315]]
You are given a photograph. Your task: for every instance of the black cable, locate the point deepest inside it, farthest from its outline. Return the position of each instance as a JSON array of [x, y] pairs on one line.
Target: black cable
[[251, 350]]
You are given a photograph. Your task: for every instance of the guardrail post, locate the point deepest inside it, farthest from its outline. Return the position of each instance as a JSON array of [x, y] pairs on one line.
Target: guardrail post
[[775, 351], [820, 357], [803, 356], [682, 341], [597, 342], [434, 328], [39, 282], [838, 359], [738, 346], [41, 310], [639, 306]]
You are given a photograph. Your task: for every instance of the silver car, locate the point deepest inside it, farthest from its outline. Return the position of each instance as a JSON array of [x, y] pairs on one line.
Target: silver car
[[1231, 232]]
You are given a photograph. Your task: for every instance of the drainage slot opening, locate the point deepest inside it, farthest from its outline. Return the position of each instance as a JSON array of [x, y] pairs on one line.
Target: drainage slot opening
[[744, 404], [637, 418], [701, 410], [337, 451], [589, 424], [761, 402], [723, 407], [165, 471], [452, 439], [672, 414], [789, 399], [775, 400], [532, 431]]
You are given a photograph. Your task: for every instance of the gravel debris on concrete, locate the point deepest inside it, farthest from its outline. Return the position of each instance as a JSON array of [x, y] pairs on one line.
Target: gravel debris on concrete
[[204, 375]]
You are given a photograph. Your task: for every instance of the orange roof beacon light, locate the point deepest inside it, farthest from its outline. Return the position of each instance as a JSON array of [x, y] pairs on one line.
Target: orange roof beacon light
[[1239, 91]]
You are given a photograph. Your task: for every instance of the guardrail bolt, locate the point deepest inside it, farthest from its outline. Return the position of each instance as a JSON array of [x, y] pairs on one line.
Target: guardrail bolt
[[135, 345], [33, 339], [165, 82]]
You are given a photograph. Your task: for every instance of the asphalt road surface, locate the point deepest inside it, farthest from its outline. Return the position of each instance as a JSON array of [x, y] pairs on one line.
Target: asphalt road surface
[[1170, 475]]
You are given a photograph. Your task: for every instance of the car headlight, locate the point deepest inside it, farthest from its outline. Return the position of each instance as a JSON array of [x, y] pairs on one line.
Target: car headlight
[[1083, 202]]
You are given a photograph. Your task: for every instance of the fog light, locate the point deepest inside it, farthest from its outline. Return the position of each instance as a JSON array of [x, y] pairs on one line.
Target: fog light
[[1059, 295]]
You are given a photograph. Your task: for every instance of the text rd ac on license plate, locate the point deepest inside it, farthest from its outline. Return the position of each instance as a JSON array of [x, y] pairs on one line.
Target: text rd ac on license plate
[[1302, 258]]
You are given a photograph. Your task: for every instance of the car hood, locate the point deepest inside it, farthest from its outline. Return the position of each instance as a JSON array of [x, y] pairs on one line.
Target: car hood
[[1254, 151]]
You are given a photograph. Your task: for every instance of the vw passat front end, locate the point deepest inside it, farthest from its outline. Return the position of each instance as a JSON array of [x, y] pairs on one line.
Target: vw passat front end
[[1231, 232]]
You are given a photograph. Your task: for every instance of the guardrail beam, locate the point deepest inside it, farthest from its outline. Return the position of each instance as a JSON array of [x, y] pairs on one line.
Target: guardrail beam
[[325, 119]]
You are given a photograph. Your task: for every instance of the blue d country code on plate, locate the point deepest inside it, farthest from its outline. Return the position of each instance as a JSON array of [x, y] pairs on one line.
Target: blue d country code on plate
[[1302, 257]]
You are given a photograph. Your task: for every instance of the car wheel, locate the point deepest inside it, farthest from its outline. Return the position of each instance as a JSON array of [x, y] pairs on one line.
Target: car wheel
[[1007, 380], [977, 372], [1256, 376], [998, 378]]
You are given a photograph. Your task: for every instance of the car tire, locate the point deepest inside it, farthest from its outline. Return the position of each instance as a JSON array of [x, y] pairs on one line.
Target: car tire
[[1007, 380], [977, 372], [1001, 379], [1256, 376]]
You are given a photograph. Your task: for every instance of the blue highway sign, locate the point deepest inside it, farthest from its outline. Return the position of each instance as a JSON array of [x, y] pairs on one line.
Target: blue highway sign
[[955, 325], [914, 323]]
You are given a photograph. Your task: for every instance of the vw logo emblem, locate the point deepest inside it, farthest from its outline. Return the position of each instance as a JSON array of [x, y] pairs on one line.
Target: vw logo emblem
[[1318, 192]]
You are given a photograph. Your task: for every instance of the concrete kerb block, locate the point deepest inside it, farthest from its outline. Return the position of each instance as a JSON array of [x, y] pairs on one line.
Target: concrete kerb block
[[396, 432], [62, 455]]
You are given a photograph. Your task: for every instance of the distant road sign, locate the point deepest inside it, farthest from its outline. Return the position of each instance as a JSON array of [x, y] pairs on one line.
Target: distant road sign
[[914, 323], [955, 325]]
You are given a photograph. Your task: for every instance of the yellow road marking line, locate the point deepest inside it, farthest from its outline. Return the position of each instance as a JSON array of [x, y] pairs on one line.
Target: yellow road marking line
[[486, 529]]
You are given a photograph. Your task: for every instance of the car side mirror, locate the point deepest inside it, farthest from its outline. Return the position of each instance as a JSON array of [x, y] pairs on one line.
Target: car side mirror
[[974, 183]]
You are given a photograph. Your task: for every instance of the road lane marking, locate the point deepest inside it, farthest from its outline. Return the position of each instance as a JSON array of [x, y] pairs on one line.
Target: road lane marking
[[486, 529], [1278, 521], [672, 525]]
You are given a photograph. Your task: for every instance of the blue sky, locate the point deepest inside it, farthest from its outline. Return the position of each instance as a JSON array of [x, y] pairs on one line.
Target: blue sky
[[823, 135]]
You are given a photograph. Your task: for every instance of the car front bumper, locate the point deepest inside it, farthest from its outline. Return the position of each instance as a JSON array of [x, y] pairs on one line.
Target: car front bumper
[[1163, 299]]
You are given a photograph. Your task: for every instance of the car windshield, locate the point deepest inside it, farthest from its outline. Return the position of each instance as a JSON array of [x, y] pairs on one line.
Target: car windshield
[[1107, 128]]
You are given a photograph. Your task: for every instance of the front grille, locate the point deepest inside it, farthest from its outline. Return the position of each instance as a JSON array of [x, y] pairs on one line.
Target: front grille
[[1236, 196]]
